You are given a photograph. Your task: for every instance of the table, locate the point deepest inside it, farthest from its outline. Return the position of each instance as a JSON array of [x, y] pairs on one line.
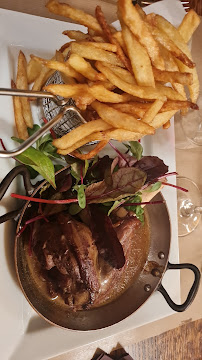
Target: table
[[180, 335]]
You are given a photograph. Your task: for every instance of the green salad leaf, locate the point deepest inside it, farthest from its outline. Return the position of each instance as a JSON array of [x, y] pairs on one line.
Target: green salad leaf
[[135, 148]]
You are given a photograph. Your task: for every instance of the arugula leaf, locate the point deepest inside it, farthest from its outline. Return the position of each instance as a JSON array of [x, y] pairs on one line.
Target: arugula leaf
[[135, 148], [75, 171], [81, 195], [31, 131], [39, 162], [49, 149], [154, 187], [137, 209]]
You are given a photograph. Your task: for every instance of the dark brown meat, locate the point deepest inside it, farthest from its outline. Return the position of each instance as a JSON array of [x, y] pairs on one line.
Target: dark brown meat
[[68, 257], [80, 238]]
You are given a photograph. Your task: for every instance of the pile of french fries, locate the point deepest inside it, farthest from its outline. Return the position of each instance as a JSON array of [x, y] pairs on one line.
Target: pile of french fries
[[126, 83]]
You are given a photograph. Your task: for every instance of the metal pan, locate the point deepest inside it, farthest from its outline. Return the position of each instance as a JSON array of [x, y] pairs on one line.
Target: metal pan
[[135, 296]]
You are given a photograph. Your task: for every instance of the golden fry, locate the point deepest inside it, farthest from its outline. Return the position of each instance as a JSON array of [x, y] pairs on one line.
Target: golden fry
[[33, 70], [162, 118], [77, 15], [20, 124], [173, 77], [92, 153], [92, 53], [109, 35], [140, 61], [188, 25], [22, 83], [101, 45], [60, 66], [153, 111], [117, 119], [84, 67], [144, 92], [80, 132], [137, 25]]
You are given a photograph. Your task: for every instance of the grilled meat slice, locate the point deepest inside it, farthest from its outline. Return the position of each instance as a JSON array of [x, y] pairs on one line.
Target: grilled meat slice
[[80, 238], [68, 258]]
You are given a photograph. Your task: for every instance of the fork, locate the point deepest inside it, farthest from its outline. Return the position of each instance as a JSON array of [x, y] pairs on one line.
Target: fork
[[193, 4]]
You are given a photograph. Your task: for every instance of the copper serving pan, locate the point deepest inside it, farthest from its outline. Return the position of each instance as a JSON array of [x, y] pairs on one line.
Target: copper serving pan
[[126, 304]]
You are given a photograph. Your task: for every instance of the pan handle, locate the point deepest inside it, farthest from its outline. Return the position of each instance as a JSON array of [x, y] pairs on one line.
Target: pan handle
[[21, 169], [192, 293]]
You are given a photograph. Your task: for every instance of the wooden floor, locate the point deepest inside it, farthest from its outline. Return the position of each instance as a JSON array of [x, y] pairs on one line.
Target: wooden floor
[[182, 343]]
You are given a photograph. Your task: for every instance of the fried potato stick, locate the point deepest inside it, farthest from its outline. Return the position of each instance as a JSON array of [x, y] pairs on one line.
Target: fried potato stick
[[77, 15], [84, 67], [20, 124], [188, 25], [108, 33], [92, 53], [22, 83], [117, 119], [63, 67], [80, 132]]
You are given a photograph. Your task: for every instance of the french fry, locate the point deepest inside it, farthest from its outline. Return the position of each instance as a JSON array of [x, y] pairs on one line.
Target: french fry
[[188, 25], [22, 83], [20, 124], [33, 70], [123, 135], [103, 95], [144, 92], [164, 40], [77, 15], [140, 61], [96, 136], [101, 45], [162, 118], [130, 108], [91, 153], [77, 35], [83, 67], [173, 77], [106, 84], [153, 111], [82, 100], [167, 125], [67, 90], [108, 33], [64, 68], [138, 109], [119, 37], [92, 53], [123, 74], [171, 65], [80, 133], [170, 93], [117, 119], [137, 25], [43, 77], [173, 34]]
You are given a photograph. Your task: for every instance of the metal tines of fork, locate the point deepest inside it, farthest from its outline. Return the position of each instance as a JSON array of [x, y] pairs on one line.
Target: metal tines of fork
[[193, 4], [144, 3], [64, 108]]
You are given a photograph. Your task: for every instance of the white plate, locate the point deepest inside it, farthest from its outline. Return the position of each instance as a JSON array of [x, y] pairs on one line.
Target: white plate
[[24, 335]]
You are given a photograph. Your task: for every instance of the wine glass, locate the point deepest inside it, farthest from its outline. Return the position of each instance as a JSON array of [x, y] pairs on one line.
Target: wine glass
[[188, 127], [188, 206]]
